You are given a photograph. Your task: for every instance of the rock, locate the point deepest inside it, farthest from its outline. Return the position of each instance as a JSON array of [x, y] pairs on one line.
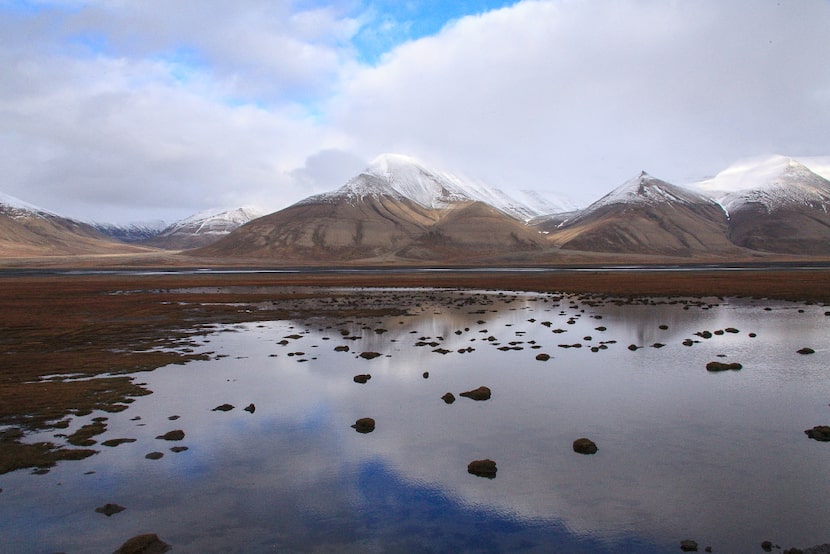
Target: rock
[[441, 351], [731, 330], [543, 357], [176, 435], [819, 433], [766, 546], [688, 546], [481, 393], [793, 551], [449, 398], [721, 366], [633, 347], [658, 345], [364, 425], [704, 334], [110, 509], [223, 408], [362, 378], [585, 446], [250, 408], [343, 348], [177, 449], [806, 351], [116, 442], [483, 468], [154, 455], [144, 544], [425, 375], [663, 327], [173, 417], [369, 355]]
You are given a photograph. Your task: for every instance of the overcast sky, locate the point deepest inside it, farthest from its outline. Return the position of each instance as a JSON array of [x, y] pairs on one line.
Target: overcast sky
[[125, 110]]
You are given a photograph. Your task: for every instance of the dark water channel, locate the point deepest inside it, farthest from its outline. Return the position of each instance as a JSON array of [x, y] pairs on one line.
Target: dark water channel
[[684, 453]]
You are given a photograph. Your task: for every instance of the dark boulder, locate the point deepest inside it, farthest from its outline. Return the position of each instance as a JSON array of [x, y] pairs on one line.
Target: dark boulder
[[223, 408], [364, 425], [721, 366], [806, 351], [176, 435], [362, 378], [585, 446], [144, 544], [369, 355], [155, 455], [483, 468], [688, 546], [543, 357], [481, 393], [109, 509], [449, 398], [819, 433], [250, 408]]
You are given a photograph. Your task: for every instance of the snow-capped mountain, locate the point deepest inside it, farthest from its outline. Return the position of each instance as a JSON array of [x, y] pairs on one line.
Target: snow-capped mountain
[[15, 207], [774, 183], [405, 178], [132, 232], [647, 215], [203, 228], [776, 205], [396, 209], [28, 230]]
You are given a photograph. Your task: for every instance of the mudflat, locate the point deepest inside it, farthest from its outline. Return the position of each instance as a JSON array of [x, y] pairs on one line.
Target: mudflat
[[71, 344]]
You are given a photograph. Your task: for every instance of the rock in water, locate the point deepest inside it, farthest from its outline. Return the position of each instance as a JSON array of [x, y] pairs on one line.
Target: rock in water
[[362, 378], [109, 509], [364, 425], [176, 435], [819, 433], [144, 544], [482, 468], [481, 393], [585, 446], [806, 350], [449, 398], [223, 408], [688, 546], [720, 366], [369, 355], [250, 408]]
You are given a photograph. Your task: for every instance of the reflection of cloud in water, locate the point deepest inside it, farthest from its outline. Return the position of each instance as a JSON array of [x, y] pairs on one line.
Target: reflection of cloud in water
[[683, 453]]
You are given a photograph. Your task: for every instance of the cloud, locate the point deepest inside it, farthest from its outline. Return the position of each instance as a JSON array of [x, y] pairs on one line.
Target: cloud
[[135, 110], [580, 95]]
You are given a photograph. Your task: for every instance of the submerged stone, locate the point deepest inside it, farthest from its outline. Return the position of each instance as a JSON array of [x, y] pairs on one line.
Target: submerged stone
[[109, 509]]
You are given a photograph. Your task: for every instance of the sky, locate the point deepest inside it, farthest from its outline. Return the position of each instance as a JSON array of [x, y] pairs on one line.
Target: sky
[[121, 111]]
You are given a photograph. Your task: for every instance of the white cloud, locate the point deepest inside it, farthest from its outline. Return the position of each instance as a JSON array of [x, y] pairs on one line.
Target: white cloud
[[580, 95], [124, 110]]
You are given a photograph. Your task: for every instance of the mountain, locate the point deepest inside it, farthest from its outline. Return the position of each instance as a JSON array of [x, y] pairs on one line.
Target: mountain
[[27, 230], [131, 232], [203, 228], [646, 216], [775, 205], [397, 208]]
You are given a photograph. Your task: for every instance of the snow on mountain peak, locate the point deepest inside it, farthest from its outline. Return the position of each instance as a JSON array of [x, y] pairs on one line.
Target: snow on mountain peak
[[16, 207], [405, 177], [646, 189], [216, 221], [772, 182]]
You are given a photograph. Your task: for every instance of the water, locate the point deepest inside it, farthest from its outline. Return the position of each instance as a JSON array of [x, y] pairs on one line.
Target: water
[[720, 458]]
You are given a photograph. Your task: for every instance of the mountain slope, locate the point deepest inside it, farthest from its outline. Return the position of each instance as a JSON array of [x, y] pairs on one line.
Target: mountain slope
[[397, 209], [647, 216], [202, 228], [26, 230], [776, 205]]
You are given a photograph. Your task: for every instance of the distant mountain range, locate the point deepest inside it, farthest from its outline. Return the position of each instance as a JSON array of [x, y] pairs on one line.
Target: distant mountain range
[[398, 210]]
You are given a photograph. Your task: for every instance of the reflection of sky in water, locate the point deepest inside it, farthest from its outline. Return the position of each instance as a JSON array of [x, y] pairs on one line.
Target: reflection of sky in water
[[683, 453]]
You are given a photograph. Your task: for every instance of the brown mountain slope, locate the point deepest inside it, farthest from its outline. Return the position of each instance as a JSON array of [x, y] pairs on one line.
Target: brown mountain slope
[[791, 230], [648, 216], [34, 234]]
